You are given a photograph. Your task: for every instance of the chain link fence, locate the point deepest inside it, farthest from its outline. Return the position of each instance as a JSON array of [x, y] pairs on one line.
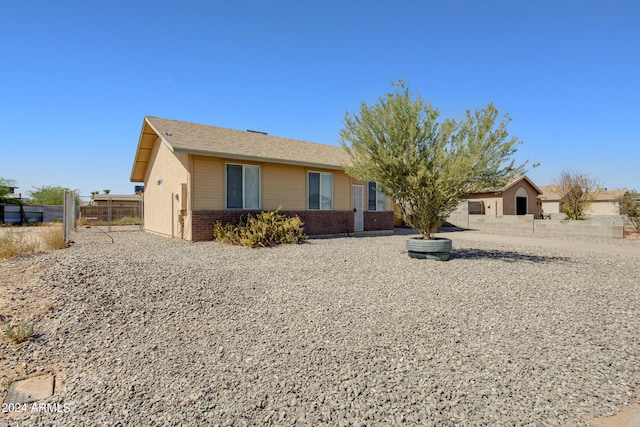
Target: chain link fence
[[112, 214]]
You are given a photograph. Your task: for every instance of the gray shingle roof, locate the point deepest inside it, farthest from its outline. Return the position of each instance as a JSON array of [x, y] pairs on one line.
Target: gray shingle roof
[[207, 140]]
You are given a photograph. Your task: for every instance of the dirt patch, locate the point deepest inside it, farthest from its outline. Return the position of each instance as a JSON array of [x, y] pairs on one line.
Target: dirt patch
[[629, 417], [33, 233], [18, 298], [23, 298], [632, 236]]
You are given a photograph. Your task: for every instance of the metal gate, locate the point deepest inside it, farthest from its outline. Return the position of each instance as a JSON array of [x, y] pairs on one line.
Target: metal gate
[[113, 214]]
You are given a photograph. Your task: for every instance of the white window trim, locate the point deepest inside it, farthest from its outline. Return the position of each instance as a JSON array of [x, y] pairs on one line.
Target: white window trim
[[378, 194], [320, 191], [244, 202]]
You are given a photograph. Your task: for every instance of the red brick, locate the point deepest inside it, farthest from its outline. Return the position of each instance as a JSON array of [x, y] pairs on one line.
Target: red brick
[[315, 222]]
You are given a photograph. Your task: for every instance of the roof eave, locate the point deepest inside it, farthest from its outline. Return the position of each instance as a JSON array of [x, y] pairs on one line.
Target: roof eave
[[258, 159], [517, 180], [139, 168]]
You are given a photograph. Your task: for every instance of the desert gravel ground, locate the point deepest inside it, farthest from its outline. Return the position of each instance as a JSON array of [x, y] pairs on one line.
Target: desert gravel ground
[[346, 331]]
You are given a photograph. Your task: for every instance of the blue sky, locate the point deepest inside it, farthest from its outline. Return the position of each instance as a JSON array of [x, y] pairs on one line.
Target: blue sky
[[78, 77]]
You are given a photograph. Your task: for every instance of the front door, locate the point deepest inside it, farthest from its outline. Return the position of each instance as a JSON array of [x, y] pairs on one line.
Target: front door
[[357, 192]]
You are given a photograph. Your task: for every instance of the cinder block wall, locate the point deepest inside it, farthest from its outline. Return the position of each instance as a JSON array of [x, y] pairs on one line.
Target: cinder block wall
[[588, 228], [515, 223], [460, 217], [607, 228]]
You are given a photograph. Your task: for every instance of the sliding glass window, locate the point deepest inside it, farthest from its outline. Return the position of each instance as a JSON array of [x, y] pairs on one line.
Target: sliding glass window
[[243, 187], [320, 191]]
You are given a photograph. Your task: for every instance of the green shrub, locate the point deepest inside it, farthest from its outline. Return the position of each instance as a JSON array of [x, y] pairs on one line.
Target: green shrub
[[576, 213], [630, 206], [13, 244], [266, 229], [19, 333]]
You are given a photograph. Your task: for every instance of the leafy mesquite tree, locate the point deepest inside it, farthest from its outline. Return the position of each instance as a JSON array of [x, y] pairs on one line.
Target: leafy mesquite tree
[[578, 192], [630, 206], [427, 166], [52, 195]]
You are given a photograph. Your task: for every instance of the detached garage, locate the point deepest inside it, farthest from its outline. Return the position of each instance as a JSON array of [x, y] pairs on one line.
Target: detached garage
[[519, 197]]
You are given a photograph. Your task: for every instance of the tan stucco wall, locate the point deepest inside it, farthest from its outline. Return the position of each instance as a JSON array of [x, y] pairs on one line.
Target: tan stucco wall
[[173, 170], [282, 186], [550, 207], [505, 202], [509, 198], [208, 183], [390, 206], [604, 208], [493, 206], [509, 201], [341, 191], [595, 209]]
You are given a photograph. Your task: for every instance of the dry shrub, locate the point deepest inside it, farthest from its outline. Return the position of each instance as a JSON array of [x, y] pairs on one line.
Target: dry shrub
[[53, 239], [266, 229], [125, 220], [14, 244]]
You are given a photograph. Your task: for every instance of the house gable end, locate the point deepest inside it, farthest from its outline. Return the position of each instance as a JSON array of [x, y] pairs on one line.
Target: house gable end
[[148, 137]]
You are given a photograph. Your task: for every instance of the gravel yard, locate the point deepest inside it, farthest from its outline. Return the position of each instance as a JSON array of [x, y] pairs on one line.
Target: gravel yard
[[344, 331]]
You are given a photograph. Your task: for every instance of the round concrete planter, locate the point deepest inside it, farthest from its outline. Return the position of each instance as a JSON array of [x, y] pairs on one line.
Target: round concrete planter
[[436, 249]]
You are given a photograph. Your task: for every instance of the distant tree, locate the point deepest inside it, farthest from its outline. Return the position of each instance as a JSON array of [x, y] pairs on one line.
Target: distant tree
[[52, 195], [578, 192], [93, 194], [5, 190], [7, 183], [425, 165], [107, 191], [630, 206]]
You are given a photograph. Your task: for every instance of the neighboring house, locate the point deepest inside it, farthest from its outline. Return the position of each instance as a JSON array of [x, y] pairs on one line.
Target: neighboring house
[[195, 175], [551, 199], [519, 197], [117, 200], [604, 203], [12, 193]]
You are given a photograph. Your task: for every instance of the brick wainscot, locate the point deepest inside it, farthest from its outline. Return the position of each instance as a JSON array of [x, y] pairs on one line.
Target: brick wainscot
[[315, 222]]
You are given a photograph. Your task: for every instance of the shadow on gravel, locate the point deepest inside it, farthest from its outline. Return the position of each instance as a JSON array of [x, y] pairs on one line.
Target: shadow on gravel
[[506, 256], [405, 231]]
